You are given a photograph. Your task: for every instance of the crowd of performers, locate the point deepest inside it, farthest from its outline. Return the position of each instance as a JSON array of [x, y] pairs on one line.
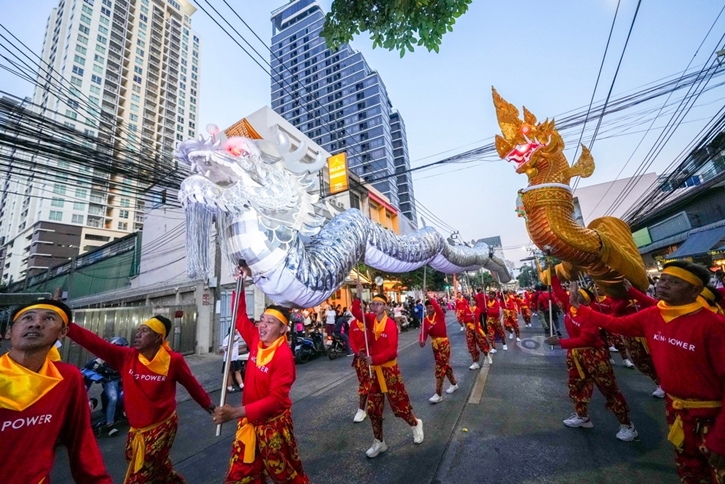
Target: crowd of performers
[[678, 340]]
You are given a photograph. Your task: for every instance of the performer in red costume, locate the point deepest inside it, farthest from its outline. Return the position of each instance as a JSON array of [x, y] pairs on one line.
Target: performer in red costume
[[461, 305], [265, 444], [387, 379], [493, 321], [588, 364], [362, 370], [511, 315], [150, 372], [687, 343], [524, 305], [434, 325], [43, 402], [475, 337]]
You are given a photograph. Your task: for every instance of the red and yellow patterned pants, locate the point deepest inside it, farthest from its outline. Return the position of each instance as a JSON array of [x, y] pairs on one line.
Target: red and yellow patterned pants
[[276, 456], [588, 367], [442, 356], [157, 467], [511, 321], [639, 353], [495, 329], [397, 398], [476, 339], [692, 462], [363, 375], [611, 339], [526, 314]]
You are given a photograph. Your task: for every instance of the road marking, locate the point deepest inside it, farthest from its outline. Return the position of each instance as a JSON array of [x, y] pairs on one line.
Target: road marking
[[477, 392]]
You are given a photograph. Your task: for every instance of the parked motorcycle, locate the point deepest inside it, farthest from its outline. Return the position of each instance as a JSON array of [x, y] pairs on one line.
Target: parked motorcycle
[[336, 346], [309, 347]]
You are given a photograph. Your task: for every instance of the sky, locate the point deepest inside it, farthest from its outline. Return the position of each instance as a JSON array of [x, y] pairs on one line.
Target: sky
[[544, 55]]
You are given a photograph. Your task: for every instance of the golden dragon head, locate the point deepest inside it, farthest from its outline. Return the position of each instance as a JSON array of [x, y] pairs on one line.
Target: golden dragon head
[[536, 148]]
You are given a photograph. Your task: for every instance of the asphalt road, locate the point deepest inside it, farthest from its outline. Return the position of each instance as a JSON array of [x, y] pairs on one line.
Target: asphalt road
[[502, 426]]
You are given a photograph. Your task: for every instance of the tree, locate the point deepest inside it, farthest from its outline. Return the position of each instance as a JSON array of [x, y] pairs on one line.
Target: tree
[[528, 276], [393, 24]]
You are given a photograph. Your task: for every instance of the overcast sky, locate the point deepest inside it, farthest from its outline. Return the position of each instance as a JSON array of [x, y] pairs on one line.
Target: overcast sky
[[544, 55]]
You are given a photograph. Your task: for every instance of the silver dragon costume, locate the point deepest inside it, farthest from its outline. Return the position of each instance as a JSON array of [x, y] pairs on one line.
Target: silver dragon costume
[[264, 199]]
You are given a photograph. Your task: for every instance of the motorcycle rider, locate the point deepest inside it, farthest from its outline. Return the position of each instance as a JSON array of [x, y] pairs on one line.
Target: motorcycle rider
[[342, 322], [111, 382]]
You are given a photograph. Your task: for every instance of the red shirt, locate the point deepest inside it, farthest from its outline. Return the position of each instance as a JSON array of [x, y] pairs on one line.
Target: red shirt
[[28, 437], [511, 303], [579, 336], [523, 302], [436, 326], [688, 354], [385, 348], [480, 300], [267, 387], [357, 336], [149, 397], [493, 309]]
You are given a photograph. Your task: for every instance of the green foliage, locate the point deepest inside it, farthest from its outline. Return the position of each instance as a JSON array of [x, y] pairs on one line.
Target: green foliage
[[528, 277], [393, 24]]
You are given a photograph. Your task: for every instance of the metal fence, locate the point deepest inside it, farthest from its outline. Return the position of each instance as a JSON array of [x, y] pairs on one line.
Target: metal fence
[[110, 322], [225, 310]]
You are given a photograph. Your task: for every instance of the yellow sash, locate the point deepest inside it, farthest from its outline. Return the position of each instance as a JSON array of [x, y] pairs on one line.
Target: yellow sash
[[677, 432], [572, 311], [138, 446], [378, 369], [436, 342], [54, 354], [379, 327], [265, 355], [360, 325], [671, 312], [247, 434], [20, 388], [575, 358], [160, 364]]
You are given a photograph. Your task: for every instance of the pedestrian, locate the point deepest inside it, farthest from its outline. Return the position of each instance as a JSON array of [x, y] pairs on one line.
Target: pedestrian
[[43, 402], [342, 329], [235, 368], [587, 363], [687, 343], [388, 380], [265, 444], [434, 326], [330, 316], [149, 372], [419, 312], [493, 321]]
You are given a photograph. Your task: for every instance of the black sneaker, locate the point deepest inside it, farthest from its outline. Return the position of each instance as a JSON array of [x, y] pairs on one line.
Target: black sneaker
[[112, 430]]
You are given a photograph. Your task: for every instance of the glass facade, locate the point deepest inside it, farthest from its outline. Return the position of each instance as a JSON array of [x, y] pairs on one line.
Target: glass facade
[[335, 99]]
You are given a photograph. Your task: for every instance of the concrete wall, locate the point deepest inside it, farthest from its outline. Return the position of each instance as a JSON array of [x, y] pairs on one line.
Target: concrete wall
[[595, 200]]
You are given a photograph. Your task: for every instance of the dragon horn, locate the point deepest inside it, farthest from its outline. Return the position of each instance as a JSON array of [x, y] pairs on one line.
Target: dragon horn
[[292, 161], [507, 115], [284, 143]]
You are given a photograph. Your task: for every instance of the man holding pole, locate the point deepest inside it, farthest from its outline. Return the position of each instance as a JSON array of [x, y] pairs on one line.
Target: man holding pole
[[434, 325], [359, 343], [387, 379], [265, 444], [149, 371]]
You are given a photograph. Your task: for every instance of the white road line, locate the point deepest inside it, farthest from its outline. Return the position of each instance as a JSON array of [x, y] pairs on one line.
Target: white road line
[[477, 391]]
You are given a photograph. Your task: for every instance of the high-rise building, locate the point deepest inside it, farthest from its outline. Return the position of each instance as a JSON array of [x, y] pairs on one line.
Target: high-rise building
[[124, 73], [337, 100]]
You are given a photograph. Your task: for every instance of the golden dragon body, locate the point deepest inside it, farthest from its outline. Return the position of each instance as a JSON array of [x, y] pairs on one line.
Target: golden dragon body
[[605, 249]]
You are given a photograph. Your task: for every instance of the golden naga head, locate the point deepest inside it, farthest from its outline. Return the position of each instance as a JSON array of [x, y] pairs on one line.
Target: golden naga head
[[535, 147]]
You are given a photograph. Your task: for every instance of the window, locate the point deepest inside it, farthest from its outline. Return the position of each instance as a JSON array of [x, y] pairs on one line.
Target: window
[[137, 70], [104, 20], [57, 202], [97, 69], [98, 58], [80, 206], [95, 90], [122, 225], [78, 70], [103, 29], [140, 43], [101, 49], [180, 119], [84, 29], [72, 103], [77, 219], [71, 114], [79, 60], [136, 98], [139, 61], [81, 49], [83, 39], [123, 213], [125, 202], [142, 26], [81, 193], [134, 107], [139, 51], [87, 9], [135, 88], [56, 215], [96, 79], [132, 127], [105, 11], [133, 117], [101, 39]]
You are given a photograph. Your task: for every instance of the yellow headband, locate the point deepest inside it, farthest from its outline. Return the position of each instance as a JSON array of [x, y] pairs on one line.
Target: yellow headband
[[683, 274], [707, 294], [585, 295], [49, 307], [379, 299], [156, 326], [276, 314]]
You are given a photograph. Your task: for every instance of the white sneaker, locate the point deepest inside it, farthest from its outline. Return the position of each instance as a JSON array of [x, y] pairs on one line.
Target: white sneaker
[[659, 392], [474, 366], [505, 348], [518, 339], [490, 360], [360, 415], [628, 363], [377, 448], [435, 398], [511, 336], [452, 388], [418, 432], [575, 421], [462, 328], [493, 351], [613, 349], [627, 433], [611, 360]]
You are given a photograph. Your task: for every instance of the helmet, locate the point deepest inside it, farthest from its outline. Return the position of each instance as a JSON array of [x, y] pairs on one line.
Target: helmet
[[119, 341]]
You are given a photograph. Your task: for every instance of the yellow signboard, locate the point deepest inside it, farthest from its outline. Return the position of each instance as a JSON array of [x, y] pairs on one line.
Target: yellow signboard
[[337, 170]]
